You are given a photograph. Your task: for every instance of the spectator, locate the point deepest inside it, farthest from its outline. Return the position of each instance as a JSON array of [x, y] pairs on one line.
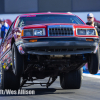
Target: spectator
[[0, 24], [5, 22], [4, 28], [0, 27], [90, 19]]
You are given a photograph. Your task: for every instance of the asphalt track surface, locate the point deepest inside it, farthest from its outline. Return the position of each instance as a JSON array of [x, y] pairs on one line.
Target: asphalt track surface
[[90, 90]]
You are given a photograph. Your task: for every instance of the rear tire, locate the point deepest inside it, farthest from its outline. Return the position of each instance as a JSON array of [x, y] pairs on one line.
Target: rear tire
[[9, 80], [71, 80], [93, 63]]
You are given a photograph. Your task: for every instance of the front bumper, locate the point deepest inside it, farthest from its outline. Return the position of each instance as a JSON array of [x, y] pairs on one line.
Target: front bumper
[[59, 47]]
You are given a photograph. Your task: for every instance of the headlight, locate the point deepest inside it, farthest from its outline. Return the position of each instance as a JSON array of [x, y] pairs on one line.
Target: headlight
[[34, 32], [91, 32], [81, 32], [86, 32], [39, 32], [28, 32]]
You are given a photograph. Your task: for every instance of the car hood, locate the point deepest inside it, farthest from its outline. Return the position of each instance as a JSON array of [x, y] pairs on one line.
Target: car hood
[[51, 24]]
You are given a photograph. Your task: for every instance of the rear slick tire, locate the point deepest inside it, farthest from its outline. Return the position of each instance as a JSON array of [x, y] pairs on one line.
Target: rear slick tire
[[71, 80], [9, 80]]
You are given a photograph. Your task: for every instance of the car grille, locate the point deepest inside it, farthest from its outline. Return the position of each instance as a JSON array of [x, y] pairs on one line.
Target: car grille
[[62, 31]]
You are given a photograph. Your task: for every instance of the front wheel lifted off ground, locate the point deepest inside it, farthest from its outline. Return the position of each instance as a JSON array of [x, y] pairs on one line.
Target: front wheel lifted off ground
[[17, 61], [93, 63]]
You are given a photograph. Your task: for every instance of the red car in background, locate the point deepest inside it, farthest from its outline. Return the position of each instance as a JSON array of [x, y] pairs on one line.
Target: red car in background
[[40, 45]]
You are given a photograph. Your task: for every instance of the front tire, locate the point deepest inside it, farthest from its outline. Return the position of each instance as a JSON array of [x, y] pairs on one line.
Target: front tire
[[93, 63], [71, 80], [17, 61]]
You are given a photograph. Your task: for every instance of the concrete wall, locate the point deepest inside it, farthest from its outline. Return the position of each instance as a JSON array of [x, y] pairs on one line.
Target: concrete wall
[[28, 6], [18, 6], [54, 5]]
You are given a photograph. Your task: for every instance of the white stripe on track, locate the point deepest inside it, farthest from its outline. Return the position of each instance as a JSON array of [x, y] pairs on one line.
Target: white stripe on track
[[92, 76]]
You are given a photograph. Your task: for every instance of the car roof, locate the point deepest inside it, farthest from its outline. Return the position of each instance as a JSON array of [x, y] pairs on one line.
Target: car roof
[[48, 13]]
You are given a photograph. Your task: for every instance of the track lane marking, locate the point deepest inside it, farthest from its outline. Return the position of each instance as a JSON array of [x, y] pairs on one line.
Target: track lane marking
[[92, 76]]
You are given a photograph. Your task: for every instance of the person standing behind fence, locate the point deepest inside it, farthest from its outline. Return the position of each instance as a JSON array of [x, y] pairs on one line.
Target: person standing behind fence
[[4, 28], [0, 27], [90, 19]]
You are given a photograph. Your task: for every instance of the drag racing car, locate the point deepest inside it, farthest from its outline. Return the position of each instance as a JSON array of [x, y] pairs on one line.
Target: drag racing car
[[40, 45]]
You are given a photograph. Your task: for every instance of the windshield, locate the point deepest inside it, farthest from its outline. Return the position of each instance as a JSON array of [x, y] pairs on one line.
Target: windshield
[[40, 19]]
